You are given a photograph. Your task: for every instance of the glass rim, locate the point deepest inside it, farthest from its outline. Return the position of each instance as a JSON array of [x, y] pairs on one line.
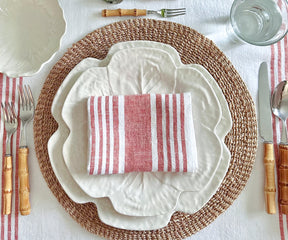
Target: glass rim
[[267, 43]]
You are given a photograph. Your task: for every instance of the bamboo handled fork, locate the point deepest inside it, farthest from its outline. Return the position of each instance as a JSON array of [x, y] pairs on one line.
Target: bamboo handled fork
[[26, 114], [165, 13], [10, 123]]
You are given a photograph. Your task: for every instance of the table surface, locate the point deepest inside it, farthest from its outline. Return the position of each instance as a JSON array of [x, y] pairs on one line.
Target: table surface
[[246, 218]]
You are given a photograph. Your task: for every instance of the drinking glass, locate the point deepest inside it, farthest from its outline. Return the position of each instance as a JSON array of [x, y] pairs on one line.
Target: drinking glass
[[259, 22]]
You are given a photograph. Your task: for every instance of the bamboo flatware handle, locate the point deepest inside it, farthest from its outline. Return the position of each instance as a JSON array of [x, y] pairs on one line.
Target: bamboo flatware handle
[[270, 187], [283, 178], [123, 12], [24, 190], [7, 201]]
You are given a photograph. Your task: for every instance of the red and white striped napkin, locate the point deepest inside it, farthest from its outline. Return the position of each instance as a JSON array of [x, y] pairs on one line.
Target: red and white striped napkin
[[141, 133]]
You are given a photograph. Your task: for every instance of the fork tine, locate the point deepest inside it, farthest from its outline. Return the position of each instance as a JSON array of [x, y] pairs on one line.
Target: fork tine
[[21, 100], [30, 96], [13, 110], [172, 9], [9, 112], [175, 10], [25, 93], [174, 15], [27, 96], [4, 111], [9, 115]]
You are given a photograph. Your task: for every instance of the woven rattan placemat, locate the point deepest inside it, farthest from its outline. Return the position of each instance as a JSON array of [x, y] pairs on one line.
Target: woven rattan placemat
[[193, 48]]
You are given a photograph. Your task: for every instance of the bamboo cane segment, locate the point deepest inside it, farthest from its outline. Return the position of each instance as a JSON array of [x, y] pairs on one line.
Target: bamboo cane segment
[[283, 178], [7, 201], [270, 187], [123, 12], [24, 190]]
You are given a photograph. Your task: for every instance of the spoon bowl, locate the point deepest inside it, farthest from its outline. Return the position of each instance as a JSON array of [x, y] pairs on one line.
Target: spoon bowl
[[279, 106]]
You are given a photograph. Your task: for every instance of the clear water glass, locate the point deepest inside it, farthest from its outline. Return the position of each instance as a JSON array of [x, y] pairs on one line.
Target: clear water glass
[[259, 22]]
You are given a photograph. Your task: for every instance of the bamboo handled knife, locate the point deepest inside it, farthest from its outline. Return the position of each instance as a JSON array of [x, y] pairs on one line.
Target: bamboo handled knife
[[265, 125]]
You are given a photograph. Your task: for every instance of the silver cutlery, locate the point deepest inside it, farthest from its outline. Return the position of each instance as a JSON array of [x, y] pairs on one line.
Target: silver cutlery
[[10, 123], [266, 133], [26, 114], [279, 106], [165, 13]]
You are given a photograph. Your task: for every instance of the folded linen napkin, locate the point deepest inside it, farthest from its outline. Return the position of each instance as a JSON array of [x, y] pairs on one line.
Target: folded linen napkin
[[141, 133]]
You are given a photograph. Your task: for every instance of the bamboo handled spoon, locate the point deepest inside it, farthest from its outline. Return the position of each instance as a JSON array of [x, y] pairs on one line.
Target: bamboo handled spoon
[[279, 106]]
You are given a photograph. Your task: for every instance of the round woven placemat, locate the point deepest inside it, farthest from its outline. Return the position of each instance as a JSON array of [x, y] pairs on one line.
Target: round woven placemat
[[193, 48]]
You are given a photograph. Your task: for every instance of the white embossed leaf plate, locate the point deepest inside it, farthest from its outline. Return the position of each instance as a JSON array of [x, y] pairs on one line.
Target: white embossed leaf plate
[[188, 201], [105, 209], [30, 34], [133, 71]]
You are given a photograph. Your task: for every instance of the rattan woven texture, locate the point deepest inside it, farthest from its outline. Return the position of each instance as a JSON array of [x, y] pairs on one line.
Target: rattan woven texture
[[193, 48]]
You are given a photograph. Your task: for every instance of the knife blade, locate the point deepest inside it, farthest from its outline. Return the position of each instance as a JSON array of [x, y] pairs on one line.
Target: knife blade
[[266, 133]]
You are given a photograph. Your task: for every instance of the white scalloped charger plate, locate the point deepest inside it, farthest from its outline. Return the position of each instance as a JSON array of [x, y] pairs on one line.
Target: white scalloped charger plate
[[104, 209], [30, 34], [131, 71]]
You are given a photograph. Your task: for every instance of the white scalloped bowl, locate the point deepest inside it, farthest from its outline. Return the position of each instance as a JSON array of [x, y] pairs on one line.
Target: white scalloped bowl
[[30, 35]]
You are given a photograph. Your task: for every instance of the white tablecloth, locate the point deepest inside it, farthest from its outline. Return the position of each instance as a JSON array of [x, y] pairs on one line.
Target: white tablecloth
[[246, 218]]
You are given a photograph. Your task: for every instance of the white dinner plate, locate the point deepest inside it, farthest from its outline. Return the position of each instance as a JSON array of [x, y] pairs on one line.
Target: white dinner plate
[[138, 71], [105, 209], [78, 195]]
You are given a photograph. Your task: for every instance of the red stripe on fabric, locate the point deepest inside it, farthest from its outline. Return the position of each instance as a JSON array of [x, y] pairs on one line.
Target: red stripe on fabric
[[159, 132], [3, 155], [4, 147], [182, 119], [168, 132], [93, 132], [279, 62], [16, 173], [138, 150], [100, 135], [7, 93], [107, 134], [116, 134], [13, 99], [272, 75], [1, 89], [175, 126]]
